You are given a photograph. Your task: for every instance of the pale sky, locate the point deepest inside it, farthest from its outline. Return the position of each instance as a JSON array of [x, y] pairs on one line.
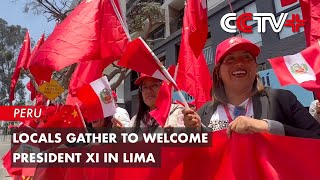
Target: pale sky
[[12, 12]]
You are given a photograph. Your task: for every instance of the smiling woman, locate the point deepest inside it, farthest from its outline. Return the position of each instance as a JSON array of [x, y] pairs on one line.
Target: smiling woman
[[242, 104], [148, 93]]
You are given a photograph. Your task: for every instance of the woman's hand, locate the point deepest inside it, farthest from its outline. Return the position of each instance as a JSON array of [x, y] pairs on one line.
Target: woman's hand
[[117, 125], [191, 119], [247, 125]]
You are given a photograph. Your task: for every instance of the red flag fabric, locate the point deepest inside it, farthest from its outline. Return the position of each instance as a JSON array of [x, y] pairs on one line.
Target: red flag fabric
[[311, 13], [65, 117], [32, 90], [113, 37], [172, 70], [163, 104], [21, 62], [101, 103], [85, 73], [7, 160], [35, 49], [139, 57], [193, 74], [198, 25], [287, 2], [251, 156], [256, 156], [40, 100], [30, 86], [91, 31], [302, 68], [72, 100]]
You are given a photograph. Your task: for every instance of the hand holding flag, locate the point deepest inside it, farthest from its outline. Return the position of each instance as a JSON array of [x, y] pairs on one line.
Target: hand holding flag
[[139, 57]]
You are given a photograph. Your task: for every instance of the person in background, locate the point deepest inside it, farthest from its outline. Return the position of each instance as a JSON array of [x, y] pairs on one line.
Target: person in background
[[142, 122], [102, 125], [314, 109], [242, 104], [121, 118]]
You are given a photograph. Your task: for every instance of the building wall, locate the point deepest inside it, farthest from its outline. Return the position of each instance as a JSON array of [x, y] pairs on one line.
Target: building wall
[[272, 44]]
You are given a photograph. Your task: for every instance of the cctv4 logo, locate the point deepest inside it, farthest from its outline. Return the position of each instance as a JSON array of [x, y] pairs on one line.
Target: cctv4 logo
[[261, 18]]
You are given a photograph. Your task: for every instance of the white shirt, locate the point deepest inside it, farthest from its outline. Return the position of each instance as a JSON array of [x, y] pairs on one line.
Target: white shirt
[[313, 110], [219, 119], [123, 116]]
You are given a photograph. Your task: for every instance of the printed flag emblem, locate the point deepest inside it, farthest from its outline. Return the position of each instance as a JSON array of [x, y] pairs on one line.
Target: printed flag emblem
[[299, 68], [106, 96]]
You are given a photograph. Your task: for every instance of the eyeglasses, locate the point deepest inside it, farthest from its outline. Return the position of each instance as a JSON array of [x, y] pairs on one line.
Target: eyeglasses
[[152, 87], [232, 60], [239, 111]]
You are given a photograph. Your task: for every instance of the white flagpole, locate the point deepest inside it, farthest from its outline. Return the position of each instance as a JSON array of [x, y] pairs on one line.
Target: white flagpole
[[167, 74], [123, 24], [175, 76], [81, 117]]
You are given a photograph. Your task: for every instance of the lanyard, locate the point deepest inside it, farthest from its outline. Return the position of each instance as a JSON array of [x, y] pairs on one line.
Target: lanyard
[[228, 113]]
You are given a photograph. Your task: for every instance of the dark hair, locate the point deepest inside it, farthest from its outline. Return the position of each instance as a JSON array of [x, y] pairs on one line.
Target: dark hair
[[218, 91], [142, 111]]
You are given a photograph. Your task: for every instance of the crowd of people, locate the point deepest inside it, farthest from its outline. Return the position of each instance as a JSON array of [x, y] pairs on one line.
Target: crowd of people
[[240, 102]]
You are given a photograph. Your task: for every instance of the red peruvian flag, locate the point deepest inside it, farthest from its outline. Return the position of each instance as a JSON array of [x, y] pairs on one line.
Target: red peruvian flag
[[139, 57], [193, 74], [163, 104], [91, 31], [21, 63], [302, 68], [85, 73], [97, 99]]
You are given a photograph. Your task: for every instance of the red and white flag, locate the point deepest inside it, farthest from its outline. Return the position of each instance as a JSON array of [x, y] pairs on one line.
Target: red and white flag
[[302, 68], [85, 73], [97, 99], [139, 57]]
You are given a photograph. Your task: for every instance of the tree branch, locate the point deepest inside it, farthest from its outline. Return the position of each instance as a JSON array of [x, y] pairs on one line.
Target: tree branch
[[66, 79], [113, 73], [154, 40], [114, 65]]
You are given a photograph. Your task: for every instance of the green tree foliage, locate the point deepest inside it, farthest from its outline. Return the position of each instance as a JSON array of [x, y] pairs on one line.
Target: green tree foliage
[[144, 16], [11, 38]]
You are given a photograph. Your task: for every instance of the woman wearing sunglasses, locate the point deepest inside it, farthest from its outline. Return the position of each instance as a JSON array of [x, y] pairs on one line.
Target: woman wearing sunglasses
[[242, 104]]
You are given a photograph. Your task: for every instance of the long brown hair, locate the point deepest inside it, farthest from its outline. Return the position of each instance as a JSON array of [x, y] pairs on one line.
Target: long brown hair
[[218, 91], [142, 111]]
